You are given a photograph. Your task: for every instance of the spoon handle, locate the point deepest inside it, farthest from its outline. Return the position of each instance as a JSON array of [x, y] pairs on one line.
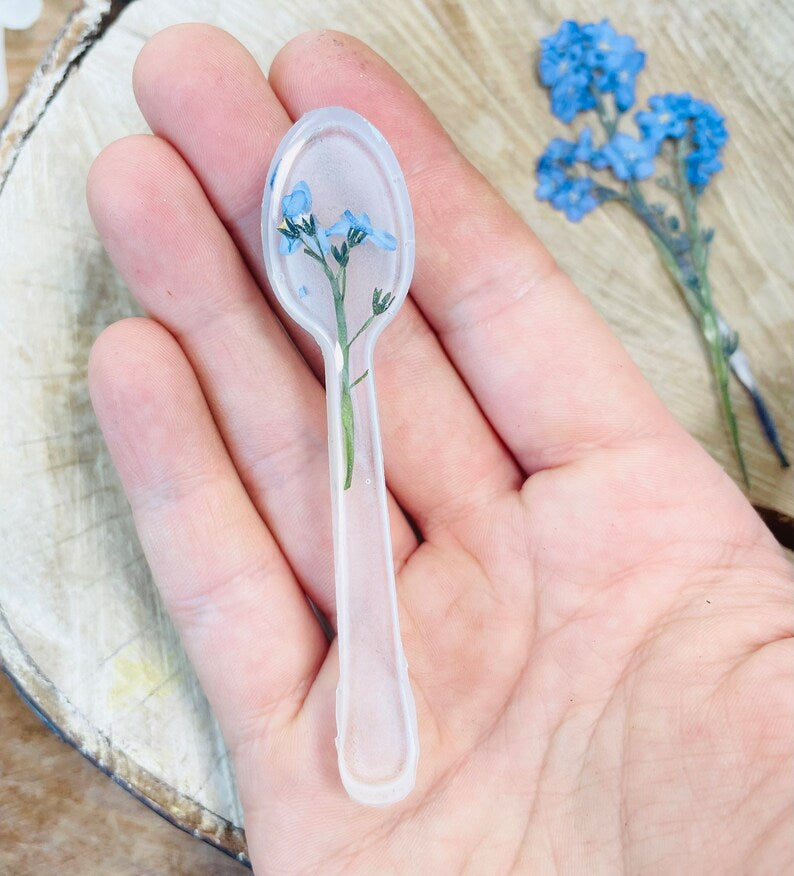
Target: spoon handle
[[377, 739]]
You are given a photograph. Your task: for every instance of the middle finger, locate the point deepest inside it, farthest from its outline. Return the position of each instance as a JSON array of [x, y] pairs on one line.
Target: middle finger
[[203, 92]]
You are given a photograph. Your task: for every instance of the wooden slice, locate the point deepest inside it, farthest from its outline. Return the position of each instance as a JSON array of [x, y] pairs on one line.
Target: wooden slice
[[82, 630]]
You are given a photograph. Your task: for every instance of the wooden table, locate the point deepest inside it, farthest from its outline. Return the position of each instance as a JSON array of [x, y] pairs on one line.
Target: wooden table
[[58, 813]]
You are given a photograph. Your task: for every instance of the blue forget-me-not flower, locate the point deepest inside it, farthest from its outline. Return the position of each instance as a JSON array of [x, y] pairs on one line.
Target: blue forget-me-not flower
[[628, 157], [667, 117], [295, 208], [362, 224], [679, 116], [593, 67], [578, 63], [300, 229], [558, 183], [298, 202]]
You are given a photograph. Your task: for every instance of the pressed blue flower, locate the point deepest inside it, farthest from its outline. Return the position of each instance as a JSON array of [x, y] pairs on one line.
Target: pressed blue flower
[[556, 64], [709, 135], [621, 79], [604, 47], [668, 116], [296, 208], [298, 202], [575, 198], [552, 167], [557, 183], [578, 64], [673, 115], [571, 95], [577, 60], [551, 180], [568, 34], [560, 53], [586, 153], [348, 221], [701, 166], [708, 126], [561, 150], [630, 158], [560, 68], [288, 245]]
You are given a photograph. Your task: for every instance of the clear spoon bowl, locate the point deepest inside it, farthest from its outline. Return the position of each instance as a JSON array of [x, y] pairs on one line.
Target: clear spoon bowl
[[338, 243]]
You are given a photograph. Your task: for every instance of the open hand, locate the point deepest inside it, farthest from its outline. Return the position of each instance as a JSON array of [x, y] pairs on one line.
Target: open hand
[[598, 627]]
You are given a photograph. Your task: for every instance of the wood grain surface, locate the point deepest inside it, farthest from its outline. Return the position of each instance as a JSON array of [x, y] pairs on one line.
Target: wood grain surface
[[59, 814], [25, 48], [110, 668]]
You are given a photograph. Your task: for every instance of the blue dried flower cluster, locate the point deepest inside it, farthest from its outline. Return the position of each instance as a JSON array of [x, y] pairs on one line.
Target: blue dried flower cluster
[[296, 210], [678, 116], [592, 67], [581, 61]]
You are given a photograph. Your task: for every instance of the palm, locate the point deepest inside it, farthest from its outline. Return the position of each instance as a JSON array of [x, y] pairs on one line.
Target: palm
[[535, 675], [598, 656]]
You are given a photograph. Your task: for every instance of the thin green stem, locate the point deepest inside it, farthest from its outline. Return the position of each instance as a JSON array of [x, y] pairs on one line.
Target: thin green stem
[[671, 263], [608, 123], [367, 324], [319, 256], [677, 263], [692, 279], [346, 403], [708, 316], [338, 282], [690, 214]]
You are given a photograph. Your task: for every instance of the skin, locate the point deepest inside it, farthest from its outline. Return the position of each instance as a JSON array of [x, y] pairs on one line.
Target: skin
[[597, 624]]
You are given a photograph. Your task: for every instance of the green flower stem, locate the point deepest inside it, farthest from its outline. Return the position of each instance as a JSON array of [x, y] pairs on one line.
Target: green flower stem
[[608, 123], [707, 320], [678, 266], [338, 283], [696, 290], [690, 293], [698, 293], [367, 324], [708, 316], [346, 408]]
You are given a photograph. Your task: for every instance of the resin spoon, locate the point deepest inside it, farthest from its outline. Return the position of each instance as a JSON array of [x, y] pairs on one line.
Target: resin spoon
[[338, 242]]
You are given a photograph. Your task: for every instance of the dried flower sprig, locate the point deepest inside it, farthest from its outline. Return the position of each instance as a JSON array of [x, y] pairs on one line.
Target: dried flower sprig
[[591, 67], [301, 230]]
